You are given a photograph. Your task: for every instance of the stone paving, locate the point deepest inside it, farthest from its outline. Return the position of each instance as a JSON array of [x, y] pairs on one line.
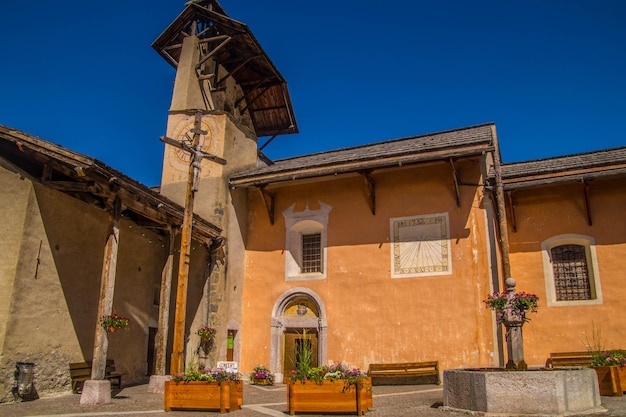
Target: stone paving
[[259, 401]]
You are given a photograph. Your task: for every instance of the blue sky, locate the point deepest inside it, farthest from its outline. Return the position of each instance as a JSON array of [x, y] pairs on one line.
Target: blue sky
[[550, 74]]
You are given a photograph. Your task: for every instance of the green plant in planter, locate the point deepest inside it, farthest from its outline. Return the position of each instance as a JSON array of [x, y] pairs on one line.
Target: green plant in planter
[[334, 371], [600, 355], [613, 357], [206, 374], [261, 373]]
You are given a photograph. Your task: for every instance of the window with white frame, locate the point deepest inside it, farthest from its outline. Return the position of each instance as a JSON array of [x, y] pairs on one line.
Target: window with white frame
[[305, 255], [311, 253], [570, 269]]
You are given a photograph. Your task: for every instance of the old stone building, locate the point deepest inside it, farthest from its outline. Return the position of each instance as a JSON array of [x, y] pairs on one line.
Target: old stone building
[[382, 252]]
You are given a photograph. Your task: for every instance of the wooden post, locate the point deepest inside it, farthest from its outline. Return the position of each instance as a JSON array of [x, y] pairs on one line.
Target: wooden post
[[164, 305], [107, 286], [177, 364], [500, 208]]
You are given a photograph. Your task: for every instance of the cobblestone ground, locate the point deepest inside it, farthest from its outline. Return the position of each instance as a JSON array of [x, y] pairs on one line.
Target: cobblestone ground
[[389, 401]]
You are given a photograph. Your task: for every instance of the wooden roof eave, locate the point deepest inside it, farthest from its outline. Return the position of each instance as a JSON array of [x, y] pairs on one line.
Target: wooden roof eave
[[90, 176], [355, 166], [555, 178]]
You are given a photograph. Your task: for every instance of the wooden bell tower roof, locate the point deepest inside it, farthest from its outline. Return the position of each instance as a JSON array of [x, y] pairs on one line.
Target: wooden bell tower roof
[[234, 47]]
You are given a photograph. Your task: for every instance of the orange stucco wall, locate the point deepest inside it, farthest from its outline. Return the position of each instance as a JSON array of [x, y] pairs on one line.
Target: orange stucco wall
[[543, 213], [371, 316]]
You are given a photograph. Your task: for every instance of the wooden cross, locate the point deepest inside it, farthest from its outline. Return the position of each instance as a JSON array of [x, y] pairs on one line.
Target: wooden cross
[[177, 364]]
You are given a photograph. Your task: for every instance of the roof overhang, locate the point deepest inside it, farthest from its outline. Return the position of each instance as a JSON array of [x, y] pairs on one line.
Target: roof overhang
[[236, 49], [585, 167], [93, 182], [441, 146]]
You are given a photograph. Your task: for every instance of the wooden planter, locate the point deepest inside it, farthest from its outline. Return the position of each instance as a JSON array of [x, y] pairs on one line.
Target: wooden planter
[[199, 395], [611, 379], [329, 396]]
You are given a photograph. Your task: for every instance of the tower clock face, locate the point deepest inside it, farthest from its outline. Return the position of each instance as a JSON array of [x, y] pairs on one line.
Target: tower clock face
[[179, 159], [184, 134]]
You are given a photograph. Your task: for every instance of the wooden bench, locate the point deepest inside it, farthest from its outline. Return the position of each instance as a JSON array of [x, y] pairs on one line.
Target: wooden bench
[[400, 373], [565, 359], [81, 372]]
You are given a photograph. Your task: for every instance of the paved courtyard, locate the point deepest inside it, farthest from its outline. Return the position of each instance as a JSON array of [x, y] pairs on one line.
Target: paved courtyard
[[389, 401]]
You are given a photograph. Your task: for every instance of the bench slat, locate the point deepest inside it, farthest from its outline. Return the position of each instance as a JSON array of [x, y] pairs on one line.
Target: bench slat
[[401, 370], [559, 359], [81, 372]]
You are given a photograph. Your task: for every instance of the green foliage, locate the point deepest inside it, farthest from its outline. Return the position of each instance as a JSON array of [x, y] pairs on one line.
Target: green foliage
[[206, 374], [334, 371], [115, 321], [614, 357], [600, 355]]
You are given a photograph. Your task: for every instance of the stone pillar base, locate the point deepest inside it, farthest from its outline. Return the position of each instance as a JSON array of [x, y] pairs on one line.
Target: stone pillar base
[[157, 383], [96, 392]]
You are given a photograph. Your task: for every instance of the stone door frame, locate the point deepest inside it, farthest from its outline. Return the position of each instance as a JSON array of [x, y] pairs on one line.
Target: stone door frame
[[280, 324]]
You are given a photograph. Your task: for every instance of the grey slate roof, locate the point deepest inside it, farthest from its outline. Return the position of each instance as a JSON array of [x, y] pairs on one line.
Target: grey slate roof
[[575, 167], [441, 145]]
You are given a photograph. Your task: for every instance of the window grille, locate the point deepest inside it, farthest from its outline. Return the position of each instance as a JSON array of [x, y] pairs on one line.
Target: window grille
[[312, 253], [571, 275]]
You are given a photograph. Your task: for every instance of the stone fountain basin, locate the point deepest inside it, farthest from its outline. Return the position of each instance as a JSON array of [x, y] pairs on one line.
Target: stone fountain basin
[[538, 391]]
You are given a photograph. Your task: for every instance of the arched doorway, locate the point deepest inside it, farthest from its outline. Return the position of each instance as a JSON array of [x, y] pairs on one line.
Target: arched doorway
[[297, 311]]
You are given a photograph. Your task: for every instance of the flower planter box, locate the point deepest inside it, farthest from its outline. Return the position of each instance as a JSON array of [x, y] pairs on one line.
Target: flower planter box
[[329, 396], [611, 379], [200, 395]]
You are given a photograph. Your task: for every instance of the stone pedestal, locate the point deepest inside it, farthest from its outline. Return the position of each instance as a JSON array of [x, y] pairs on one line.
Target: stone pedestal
[[96, 392], [495, 391], [157, 383]]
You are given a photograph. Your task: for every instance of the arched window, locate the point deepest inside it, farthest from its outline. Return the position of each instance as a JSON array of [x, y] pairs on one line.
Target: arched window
[[305, 255], [571, 270]]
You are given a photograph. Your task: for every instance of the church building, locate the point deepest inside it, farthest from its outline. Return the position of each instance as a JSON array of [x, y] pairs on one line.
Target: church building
[[380, 253]]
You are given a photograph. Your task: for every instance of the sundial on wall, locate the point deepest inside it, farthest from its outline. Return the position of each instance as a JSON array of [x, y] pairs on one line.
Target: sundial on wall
[[420, 246]]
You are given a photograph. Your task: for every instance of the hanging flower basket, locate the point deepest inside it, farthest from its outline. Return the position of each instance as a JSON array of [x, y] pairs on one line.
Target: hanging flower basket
[[113, 323], [206, 333], [207, 339]]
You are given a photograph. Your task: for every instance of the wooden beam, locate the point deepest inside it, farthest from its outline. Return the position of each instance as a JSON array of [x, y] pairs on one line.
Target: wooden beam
[[213, 51], [107, 287], [268, 199], [455, 179], [511, 201], [71, 186], [235, 70], [500, 208], [370, 190], [164, 304], [586, 192]]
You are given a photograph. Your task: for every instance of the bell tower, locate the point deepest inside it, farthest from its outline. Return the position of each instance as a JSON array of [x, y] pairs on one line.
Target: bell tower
[[223, 74]]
